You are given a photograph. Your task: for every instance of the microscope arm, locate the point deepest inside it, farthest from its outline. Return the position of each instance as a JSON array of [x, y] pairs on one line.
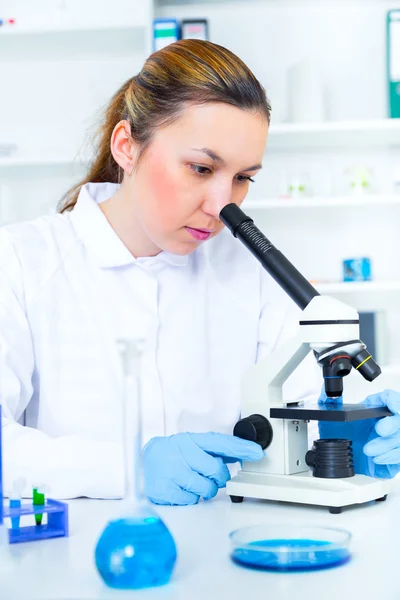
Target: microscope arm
[[269, 375]]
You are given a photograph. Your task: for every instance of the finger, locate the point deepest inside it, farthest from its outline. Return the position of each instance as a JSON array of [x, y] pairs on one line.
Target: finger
[[374, 400], [380, 445], [221, 444], [197, 460], [392, 457], [386, 471], [380, 399], [388, 425], [171, 494], [221, 474], [393, 401], [201, 486]]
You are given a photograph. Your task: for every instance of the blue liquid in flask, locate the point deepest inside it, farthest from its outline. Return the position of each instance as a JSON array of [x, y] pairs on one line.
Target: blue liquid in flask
[[135, 553], [135, 550], [294, 555]]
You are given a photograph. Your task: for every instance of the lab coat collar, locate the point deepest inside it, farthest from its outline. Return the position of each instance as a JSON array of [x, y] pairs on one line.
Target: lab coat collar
[[100, 238]]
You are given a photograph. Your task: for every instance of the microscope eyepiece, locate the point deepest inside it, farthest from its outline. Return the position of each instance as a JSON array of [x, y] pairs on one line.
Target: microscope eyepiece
[[278, 266], [365, 364]]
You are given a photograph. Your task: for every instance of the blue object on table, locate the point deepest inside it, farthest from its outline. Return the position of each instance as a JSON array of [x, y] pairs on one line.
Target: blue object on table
[[135, 549], [57, 515], [290, 548], [375, 442], [56, 526], [135, 553], [357, 269], [298, 555]]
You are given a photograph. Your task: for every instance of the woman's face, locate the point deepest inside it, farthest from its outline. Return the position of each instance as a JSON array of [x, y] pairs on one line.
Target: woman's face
[[192, 169]]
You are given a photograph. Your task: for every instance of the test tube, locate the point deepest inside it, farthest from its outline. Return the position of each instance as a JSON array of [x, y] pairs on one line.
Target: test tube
[[15, 499], [38, 499]]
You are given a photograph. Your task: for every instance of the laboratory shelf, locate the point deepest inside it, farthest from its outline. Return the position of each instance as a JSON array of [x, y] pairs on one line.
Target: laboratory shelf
[[322, 202], [188, 2], [47, 160], [356, 287], [73, 43], [346, 134], [140, 20]]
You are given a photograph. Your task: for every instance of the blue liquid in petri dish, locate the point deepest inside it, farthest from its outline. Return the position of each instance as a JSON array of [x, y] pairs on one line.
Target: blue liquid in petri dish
[[295, 555], [135, 553]]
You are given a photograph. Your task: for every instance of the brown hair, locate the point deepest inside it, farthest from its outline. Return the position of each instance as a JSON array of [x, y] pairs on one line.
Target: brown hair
[[188, 71]]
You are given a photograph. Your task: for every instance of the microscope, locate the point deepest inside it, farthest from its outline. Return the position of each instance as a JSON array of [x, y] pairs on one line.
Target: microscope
[[290, 472]]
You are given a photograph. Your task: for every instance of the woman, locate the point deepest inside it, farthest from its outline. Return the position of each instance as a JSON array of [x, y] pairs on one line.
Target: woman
[[138, 251]]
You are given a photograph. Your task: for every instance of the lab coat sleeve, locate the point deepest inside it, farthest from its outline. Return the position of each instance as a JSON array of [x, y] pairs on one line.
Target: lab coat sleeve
[[279, 321], [70, 466]]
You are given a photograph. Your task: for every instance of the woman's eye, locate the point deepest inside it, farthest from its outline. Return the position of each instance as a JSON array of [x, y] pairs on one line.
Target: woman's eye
[[200, 170], [244, 178]]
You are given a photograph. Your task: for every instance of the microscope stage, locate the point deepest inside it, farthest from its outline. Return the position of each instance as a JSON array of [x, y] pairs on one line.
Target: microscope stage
[[329, 412]]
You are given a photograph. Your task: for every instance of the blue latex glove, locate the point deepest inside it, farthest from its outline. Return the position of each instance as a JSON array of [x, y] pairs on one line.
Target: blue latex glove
[[185, 467], [376, 442]]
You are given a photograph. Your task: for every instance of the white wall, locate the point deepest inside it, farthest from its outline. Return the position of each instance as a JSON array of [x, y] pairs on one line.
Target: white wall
[[53, 87]]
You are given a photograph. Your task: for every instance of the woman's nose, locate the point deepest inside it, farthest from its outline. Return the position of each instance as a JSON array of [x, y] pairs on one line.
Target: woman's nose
[[216, 201]]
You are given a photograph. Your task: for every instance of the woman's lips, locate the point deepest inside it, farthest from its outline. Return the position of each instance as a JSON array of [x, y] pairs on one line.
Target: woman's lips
[[199, 234]]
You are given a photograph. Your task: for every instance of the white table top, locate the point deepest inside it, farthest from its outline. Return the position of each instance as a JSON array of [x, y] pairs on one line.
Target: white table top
[[63, 568]]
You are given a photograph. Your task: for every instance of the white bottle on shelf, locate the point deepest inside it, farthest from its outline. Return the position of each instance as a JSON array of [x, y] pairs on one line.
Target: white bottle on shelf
[[306, 94]]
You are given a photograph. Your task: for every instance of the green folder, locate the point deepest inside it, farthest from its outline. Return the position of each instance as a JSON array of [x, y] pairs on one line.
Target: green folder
[[393, 62]]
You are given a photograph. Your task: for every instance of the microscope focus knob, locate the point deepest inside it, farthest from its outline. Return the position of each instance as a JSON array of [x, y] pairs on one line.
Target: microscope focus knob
[[255, 428]]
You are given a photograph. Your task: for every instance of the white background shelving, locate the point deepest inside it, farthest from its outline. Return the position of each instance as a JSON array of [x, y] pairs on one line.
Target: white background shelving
[[33, 161], [56, 44], [322, 202], [64, 60], [342, 134], [60, 64], [354, 287]]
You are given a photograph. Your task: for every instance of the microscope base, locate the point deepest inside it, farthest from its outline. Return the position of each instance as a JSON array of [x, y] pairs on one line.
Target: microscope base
[[303, 488]]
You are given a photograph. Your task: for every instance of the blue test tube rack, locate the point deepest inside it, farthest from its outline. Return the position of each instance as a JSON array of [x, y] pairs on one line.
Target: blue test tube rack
[[56, 526]]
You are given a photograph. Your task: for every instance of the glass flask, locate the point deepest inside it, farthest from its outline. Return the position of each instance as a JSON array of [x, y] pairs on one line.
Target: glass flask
[[135, 550]]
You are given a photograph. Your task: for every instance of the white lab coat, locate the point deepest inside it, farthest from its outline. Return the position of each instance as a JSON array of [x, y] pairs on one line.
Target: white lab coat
[[69, 288]]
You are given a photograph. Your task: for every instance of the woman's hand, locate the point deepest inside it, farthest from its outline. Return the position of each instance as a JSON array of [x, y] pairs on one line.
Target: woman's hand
[[185, 467], [376, 442]]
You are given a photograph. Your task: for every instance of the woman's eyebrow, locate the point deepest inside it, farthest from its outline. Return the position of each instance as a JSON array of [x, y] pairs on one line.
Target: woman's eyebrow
[[214, 156]]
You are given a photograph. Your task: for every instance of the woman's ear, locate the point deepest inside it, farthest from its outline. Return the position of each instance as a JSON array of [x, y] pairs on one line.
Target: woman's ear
[[122, 147]]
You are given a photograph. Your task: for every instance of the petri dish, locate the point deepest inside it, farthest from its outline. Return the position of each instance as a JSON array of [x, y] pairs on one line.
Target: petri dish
[[290, 548]]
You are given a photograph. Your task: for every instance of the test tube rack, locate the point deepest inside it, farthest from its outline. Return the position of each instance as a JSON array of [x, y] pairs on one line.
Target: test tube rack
[[56, 526]]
